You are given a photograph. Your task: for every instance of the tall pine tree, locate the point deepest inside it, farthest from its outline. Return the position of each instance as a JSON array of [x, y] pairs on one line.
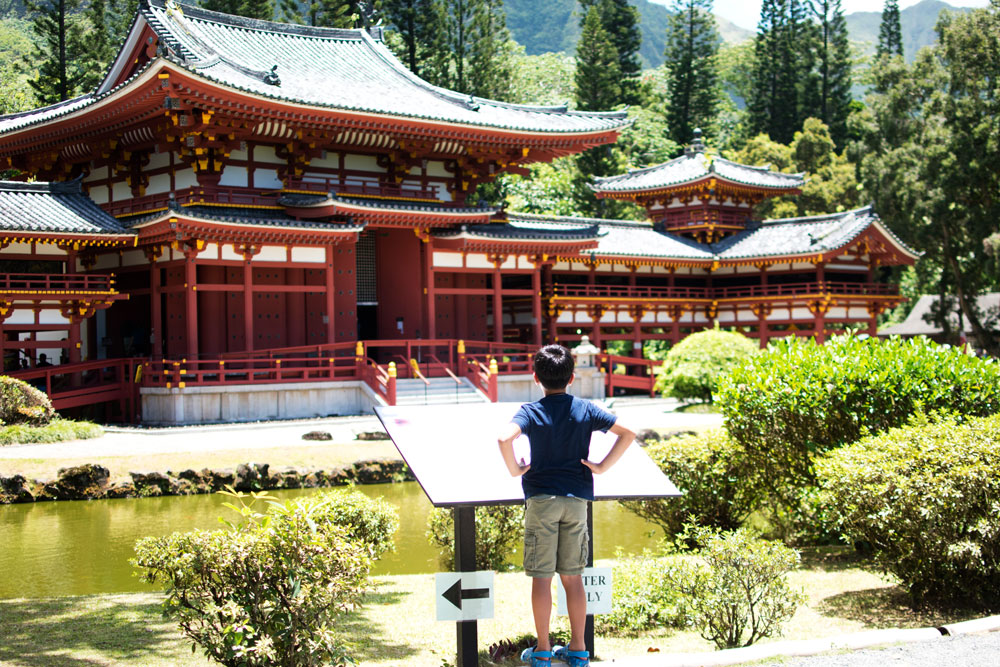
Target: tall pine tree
[[58, 52], [461, 15], [489, 59], [422, 26], [774, 93], [833, 69], [890, 33], [621, 22], [693, 91]]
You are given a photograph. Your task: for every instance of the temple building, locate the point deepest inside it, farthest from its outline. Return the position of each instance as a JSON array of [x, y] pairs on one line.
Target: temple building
[[241, 190]]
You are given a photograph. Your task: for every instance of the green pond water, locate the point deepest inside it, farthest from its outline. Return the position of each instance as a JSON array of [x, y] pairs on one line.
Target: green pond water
[[81, 547]]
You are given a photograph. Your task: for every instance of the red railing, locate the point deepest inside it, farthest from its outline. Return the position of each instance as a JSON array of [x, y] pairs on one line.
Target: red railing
[[89, 383], [702, 217], [62, 282], [636, 373], [192, 196], [382, 380], [357, 186], [605, 292], [484, 378]]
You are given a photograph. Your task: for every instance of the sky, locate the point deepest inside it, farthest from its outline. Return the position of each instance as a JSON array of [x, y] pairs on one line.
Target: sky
[[745, 13]]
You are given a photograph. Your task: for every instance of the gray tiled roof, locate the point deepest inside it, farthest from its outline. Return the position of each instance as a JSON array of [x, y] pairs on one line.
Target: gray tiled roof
[[305, 201], [59, 208], [341, 69], [694, 167], [920, 320], [248, 216], [526, 230], [797, 236]]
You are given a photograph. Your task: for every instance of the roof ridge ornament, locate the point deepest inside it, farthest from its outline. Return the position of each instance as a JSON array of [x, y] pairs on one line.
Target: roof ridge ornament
[[272, 78], [697, 145]]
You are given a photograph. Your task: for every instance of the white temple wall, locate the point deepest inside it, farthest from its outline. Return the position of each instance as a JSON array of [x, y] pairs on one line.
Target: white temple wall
[[266, 178], [183, 178], [265, 153], [436, 168], [158, 160], [134, 258], [233, 176], [16, 248], [858, 313], [303, 255], [121, 191], [158, 183], [356, 162]]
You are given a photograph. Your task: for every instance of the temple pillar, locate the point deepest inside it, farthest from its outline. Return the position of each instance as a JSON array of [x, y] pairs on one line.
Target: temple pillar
[[74, 341], [248, 339], [331, 304], [191, 303], [431, 309], [497, 304], [461, 308], [156, 309], [536, 307]]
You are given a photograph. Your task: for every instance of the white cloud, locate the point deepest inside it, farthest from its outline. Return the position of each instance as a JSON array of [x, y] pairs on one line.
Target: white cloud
[[746, 13]]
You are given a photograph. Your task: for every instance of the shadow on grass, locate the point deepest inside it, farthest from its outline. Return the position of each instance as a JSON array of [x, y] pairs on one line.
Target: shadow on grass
[[369, 640], [888, 608], [831, 558], [79, 631]]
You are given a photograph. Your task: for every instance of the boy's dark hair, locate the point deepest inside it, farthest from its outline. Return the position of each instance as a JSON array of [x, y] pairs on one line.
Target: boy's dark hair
[[553, 365]]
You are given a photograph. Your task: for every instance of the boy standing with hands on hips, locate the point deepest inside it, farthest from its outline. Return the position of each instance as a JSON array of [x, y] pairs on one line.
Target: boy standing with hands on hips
[[558, 488]]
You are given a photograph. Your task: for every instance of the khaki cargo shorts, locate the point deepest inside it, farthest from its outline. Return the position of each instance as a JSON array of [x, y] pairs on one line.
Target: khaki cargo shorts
[[555, 535]]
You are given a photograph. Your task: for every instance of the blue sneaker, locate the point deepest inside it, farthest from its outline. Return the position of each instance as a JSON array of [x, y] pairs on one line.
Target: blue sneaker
[[572, 658], [536, 658]]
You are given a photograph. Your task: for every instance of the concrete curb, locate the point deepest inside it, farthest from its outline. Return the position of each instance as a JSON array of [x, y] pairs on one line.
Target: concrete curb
[[808, 647]]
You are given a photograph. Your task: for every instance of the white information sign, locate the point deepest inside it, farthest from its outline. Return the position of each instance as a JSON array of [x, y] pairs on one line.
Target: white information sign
[[464, 596], [597, 584]]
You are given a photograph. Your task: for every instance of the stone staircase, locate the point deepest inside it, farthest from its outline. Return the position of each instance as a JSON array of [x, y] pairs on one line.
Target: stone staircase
[[440, 391]]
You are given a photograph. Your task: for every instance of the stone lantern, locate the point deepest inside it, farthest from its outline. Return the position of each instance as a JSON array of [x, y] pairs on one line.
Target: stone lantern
[[585, 352], [589, 382]]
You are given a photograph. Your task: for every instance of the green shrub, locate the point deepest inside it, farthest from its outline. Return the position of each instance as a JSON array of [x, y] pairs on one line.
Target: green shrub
[[57, 430], [925, 499], [742, 593], [499, 530], [269, 590], [693, 367], [710, 469], [647, 595], [797, 400], [371, 521], [20, 403]]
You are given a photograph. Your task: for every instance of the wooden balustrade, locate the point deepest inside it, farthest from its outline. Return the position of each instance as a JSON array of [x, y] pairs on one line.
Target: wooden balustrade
[[90, 383], [207, 195], [637, 373], [56, 282], [363, 188], [605, 292]]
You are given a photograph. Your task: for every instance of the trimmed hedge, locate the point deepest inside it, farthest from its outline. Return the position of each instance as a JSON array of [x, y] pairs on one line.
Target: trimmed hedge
[[693, 366], [57, 430], [499, 531], [20, 403], [711, 470], [925, 499], [798, 399]]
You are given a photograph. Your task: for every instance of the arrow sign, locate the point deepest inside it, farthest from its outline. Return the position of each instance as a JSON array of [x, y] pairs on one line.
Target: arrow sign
[[464, 596], [456, 594]]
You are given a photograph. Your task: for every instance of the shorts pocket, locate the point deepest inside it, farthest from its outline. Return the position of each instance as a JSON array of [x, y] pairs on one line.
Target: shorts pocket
[[530, 549], [584, 548]]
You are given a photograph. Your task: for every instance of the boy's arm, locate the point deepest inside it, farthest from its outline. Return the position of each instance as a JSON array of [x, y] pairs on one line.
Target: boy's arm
[[506, 442], [625, 438]]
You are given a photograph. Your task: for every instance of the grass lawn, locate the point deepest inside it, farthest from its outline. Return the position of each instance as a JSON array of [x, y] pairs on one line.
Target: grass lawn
[[397, 624], [325, 456], [58, 430]]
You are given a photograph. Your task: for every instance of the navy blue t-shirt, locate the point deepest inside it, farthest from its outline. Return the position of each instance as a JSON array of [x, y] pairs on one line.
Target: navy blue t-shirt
[[558, 427]]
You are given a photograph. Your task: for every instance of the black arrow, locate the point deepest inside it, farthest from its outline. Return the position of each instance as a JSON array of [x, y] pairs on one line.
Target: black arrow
[[455, 594]]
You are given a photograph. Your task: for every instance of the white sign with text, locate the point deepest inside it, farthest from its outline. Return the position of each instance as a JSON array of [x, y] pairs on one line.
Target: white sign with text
[[597, 585]]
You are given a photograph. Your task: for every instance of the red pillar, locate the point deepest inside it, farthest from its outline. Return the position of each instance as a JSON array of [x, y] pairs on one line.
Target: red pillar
[[74, 341], [191, 304], [156, 309], [248, 341], [461, 309], [536, 306], [331, 304], [497, 305], [429, 290]]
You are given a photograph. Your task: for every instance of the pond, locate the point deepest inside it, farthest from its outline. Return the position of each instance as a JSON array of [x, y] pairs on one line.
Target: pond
[[80, 547]]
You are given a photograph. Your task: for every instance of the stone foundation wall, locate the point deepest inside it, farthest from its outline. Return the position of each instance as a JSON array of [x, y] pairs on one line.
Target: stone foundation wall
[[92, 482]]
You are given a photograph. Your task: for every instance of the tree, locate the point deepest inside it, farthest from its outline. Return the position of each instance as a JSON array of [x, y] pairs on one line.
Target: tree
[[421, 25], [692, 45], [833, 102], [258, 9], [224, 6], [771, 108], [930, 158], [890, 33], [58, 53], [621, 22], [460, 14], [490, 58]]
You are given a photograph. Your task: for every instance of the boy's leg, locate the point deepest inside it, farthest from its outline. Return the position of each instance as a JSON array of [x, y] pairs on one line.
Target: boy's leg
[[541, 608], [576, 605]]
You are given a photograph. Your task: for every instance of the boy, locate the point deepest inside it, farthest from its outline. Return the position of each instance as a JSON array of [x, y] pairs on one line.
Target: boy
[[558, 487]]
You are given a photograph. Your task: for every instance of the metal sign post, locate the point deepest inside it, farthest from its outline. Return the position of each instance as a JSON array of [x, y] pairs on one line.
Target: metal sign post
[[454, 456]]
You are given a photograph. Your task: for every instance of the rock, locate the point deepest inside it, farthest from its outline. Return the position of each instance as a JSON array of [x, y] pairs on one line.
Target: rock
[[286, 478], [152, 484], [192, 476], [121, 490], [647, 436], [218, 479], [317, 435], [16, 489], [372, 435], [84, 482], [251, 476], [313, 480]]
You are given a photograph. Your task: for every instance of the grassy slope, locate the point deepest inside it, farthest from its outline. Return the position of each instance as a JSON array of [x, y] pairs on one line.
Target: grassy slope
[[397, 624]]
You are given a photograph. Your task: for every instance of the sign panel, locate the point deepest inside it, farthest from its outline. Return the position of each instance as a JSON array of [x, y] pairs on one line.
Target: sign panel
[[453, 453], [597, 584], [463, 596]]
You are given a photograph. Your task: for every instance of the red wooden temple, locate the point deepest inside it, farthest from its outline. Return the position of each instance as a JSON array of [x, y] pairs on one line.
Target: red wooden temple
[[242, 202]]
